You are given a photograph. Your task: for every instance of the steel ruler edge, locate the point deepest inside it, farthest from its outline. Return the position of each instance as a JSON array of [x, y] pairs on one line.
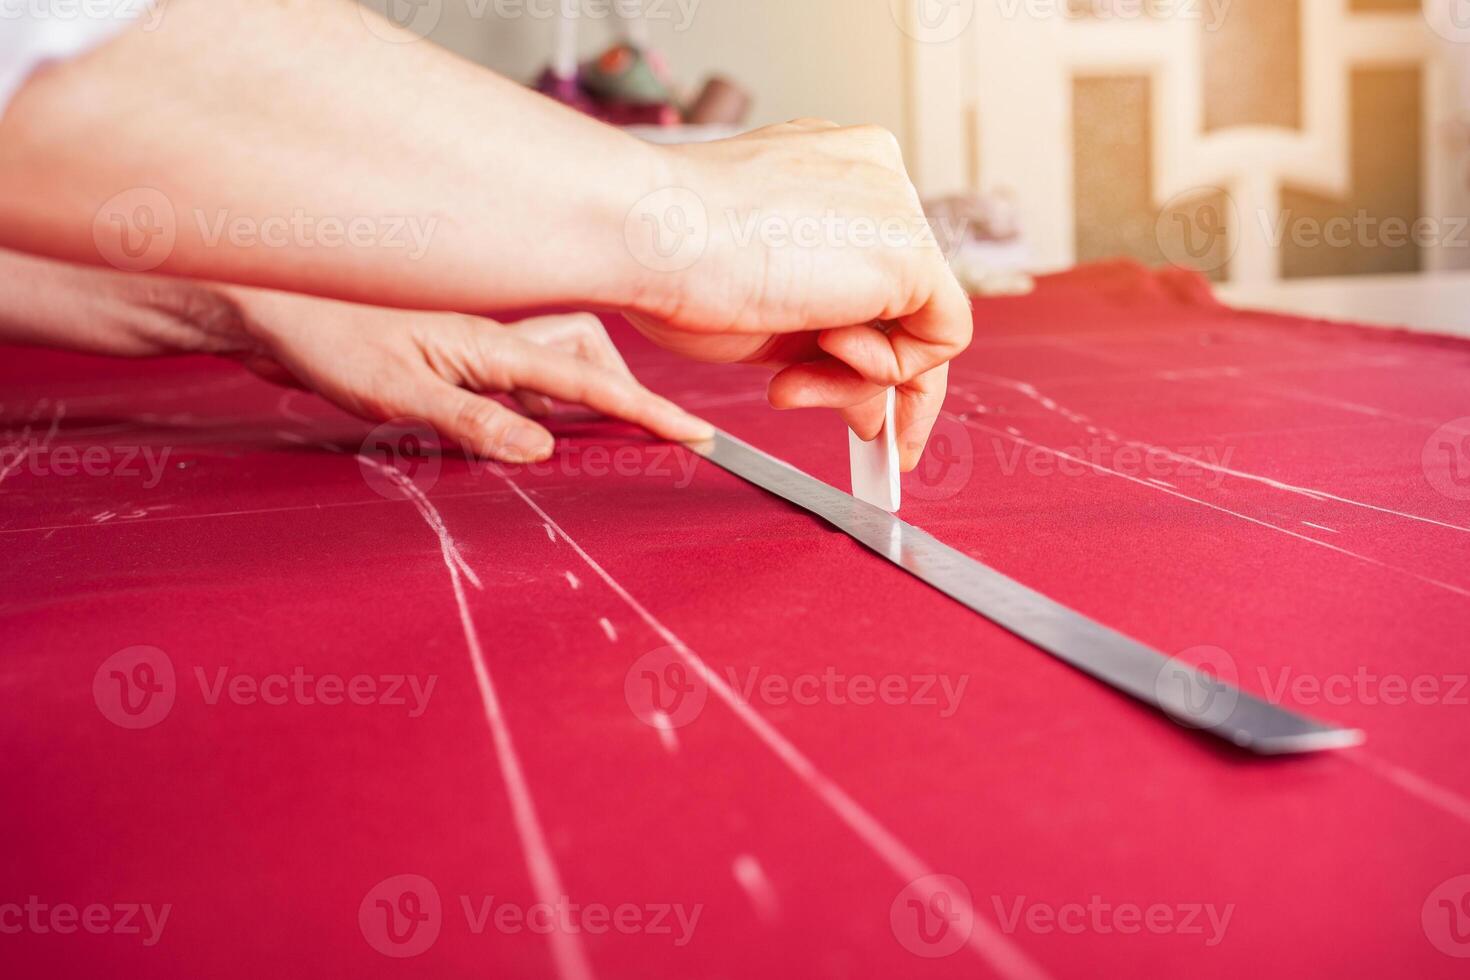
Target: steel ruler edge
[[1190, 696]]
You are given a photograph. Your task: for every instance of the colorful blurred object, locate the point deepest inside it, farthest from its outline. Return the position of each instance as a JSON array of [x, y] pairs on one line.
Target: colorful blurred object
[[628, 75], [630, 85]]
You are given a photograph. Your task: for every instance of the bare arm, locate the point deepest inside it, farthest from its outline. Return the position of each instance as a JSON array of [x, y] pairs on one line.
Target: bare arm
[[287, 144], [270, 127], [377, 363]]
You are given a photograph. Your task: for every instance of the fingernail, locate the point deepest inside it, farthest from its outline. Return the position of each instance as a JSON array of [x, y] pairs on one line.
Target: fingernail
[[697, 428], [526, 446]]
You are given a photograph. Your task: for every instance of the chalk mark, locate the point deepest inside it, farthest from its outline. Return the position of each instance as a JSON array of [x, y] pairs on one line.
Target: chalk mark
[[566, 946], [985, 940]]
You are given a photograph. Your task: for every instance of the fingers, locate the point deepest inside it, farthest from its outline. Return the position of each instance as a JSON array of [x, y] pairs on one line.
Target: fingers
[[865, 349], [866, 418], [481, 426], [932, 335], [833, 384], [936, 332], [919, 404], [534, 405], [580, 333], [571, 379], [826, 383]]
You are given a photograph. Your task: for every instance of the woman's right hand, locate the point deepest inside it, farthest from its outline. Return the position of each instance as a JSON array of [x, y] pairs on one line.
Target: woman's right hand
[[804, 247]]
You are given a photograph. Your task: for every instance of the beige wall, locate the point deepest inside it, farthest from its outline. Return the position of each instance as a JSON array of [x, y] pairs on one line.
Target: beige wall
[[841, 59], [1234, 136]]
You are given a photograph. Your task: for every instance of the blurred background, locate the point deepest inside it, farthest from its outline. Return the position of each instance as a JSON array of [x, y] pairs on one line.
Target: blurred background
[[1260, 141]]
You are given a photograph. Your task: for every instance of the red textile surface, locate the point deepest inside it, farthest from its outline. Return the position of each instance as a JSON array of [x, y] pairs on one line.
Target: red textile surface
[[1093, 836]]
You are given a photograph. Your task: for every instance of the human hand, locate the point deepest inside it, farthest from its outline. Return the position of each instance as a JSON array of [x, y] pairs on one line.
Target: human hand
[[382, 364], [818, 263]]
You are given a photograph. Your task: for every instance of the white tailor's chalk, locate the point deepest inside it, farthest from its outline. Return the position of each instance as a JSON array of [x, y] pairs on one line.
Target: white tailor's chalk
[[875, 464]]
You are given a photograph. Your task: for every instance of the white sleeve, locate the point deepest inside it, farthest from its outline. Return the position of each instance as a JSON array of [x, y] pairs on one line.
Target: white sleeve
[[33, 32]]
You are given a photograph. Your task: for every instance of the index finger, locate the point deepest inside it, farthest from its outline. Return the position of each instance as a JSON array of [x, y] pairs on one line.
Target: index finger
[[934, 334]]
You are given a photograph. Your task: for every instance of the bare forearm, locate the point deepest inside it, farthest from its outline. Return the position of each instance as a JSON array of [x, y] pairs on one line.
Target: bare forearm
[[374, 362], [44, 303], [287, 145]]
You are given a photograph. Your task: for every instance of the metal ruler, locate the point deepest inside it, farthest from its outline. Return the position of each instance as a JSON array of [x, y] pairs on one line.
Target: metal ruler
[[1189, 695]]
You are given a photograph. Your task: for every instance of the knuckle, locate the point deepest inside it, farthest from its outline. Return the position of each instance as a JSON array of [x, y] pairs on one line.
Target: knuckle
[[587, 323], [479, 418], [623, 400], [880, 139]]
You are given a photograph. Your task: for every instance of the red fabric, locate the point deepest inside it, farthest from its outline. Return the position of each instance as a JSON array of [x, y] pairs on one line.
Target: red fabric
[[266, 829]]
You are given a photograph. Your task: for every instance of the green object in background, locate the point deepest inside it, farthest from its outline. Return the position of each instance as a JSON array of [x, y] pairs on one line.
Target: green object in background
[[629, 75]]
